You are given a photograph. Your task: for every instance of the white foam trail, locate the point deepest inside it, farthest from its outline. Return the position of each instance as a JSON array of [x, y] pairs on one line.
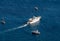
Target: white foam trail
[[14, 28]]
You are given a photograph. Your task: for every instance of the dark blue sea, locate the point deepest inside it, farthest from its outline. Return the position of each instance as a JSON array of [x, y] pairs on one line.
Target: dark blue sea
[[17, 13]]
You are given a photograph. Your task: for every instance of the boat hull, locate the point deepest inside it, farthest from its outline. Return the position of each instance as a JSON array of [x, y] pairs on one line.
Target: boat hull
[[36, 33], [34, 20]]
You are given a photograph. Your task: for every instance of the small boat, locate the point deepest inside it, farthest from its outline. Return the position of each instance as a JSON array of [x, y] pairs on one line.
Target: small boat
[[34, 19], [36, 8], [36, 32], [3, 21]]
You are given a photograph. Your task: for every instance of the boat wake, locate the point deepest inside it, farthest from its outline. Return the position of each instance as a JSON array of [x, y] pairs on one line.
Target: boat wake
[[14, 28], [32, 21]]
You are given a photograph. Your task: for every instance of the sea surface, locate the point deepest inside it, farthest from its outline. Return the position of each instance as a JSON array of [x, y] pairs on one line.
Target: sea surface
[[17, 13]]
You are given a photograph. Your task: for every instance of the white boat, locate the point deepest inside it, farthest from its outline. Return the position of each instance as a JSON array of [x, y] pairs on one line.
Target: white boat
[[34, 19], [36, 32]]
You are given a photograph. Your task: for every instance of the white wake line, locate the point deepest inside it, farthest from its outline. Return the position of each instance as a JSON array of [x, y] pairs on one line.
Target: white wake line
[[14, 28]]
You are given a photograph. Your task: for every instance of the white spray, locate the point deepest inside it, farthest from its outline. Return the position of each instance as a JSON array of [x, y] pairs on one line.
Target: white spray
[[14, 28]]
